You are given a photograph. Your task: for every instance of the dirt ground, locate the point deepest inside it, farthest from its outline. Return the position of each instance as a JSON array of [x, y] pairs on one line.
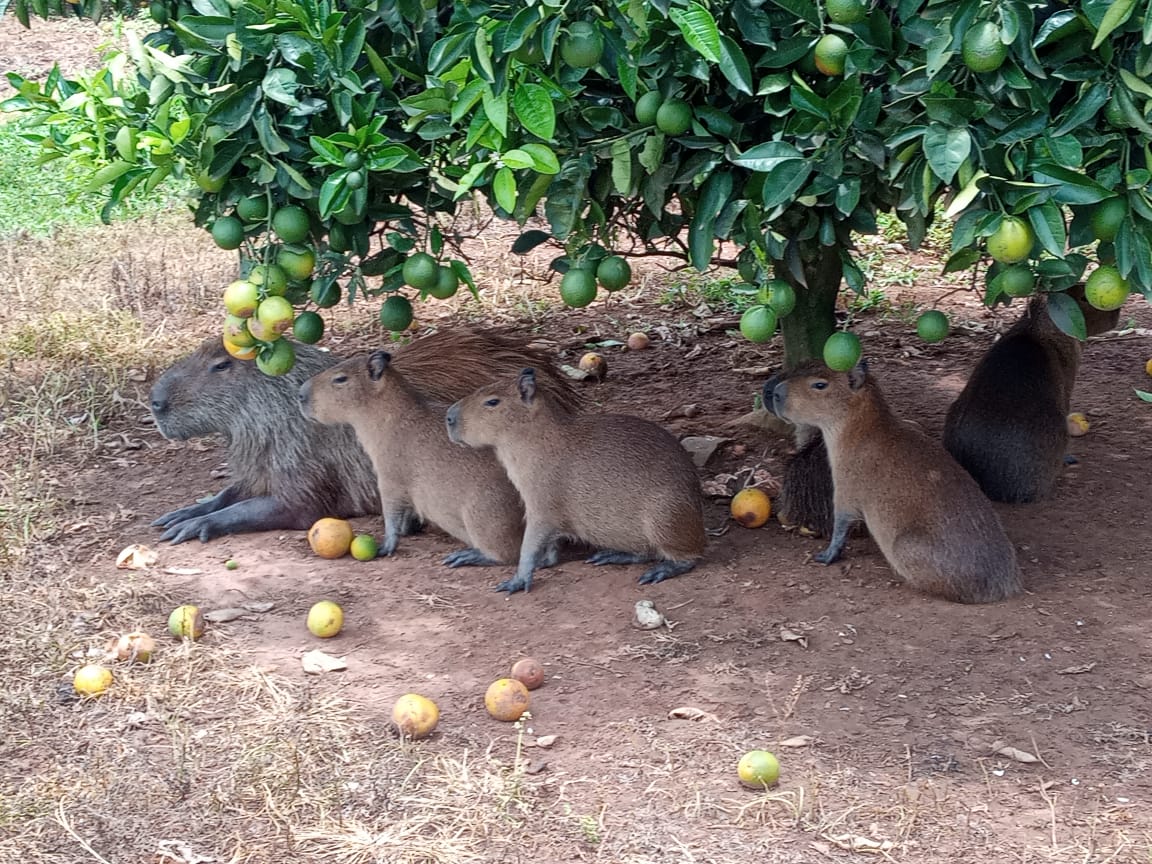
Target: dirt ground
[[907, 727]]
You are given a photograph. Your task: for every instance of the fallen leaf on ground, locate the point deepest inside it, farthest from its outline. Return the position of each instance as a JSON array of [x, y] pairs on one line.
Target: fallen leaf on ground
[[221, 616], [797, 741], [136, 557], [316, 662], [689, 713]]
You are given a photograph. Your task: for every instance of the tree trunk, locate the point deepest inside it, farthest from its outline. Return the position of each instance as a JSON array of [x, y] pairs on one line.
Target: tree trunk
[[813, 320], [806, 491]]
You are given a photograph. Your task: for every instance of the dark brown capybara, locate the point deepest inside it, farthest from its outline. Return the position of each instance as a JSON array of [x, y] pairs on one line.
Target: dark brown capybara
[[288, 471], [1008, 427], [927, 515], [614, 481]]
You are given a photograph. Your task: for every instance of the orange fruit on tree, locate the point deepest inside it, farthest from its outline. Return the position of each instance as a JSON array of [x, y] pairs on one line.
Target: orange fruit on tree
[[1106, 289], [982, 49], [241, 352], [751, 507], [830, 54], [330, 538], [1012, 242], [842, 351]]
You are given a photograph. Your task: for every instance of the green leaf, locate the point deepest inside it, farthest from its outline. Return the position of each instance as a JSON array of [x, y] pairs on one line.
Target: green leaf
[[496, 108], [535, 109], [1067, 315], [784, 181], [622, 166], [1147, 397], [714, 194], [1136, 85], [699, 29], [764, 157], [464, 275], [735, 66], [805, 10], [966, 195], [1048, 223], [1118, 12], [1071, 187], [504, 188], [334, 195], [529, 240], [1091, 100], [544, 161], [517, 159], [960, 260], [326, 150], [946, 149], [652, 153]]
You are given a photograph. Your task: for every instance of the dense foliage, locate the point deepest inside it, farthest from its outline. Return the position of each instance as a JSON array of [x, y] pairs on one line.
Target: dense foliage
[[782, 126]]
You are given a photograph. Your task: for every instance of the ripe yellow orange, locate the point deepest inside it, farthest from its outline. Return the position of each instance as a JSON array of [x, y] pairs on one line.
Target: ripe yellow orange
[[1077, 425], [330, 538], [135, 646], [92, 680], [506, 699], [1148, 367], [241, 298], [415, 715], [241, 352], [751, 507], [325, 619]]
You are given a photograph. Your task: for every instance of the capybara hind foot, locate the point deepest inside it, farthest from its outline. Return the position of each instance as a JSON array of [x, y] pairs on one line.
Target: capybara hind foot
[[468, 558], [665, 570], [611, 556]]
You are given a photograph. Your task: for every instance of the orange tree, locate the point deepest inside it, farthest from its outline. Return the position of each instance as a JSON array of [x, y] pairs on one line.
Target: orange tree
[[329, 138]]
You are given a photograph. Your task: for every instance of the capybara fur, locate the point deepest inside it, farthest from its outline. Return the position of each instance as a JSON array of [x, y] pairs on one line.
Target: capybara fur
[[1007, 428], [614, 481], [421, 473], [288, 471], [926, 514], [805, 499]]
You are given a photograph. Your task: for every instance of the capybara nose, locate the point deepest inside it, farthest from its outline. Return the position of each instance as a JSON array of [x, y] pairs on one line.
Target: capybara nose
[[768, 393], [453, 415]]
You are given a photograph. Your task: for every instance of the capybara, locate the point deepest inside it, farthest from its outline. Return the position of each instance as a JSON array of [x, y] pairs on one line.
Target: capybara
[[421, 473], [1007, 427], [288, 471], [927, 515], [614, 481], [805, 498]]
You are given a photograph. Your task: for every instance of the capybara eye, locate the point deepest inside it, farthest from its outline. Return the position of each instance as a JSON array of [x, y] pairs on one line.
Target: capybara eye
[[819, 385], [492, 403], [222, 365], [340, 379]]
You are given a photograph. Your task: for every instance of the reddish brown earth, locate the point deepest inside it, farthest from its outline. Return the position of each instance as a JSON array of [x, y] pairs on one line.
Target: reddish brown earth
[[904, 697]]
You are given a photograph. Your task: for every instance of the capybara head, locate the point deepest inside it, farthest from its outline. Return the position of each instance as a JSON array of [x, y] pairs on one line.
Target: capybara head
[[210, 392], [480, 420], [814, 395], [338, 394], [1096, 321]]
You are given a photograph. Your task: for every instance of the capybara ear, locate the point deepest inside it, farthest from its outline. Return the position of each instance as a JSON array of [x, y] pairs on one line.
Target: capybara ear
[[377, 363], [858, 375], [527, 383]]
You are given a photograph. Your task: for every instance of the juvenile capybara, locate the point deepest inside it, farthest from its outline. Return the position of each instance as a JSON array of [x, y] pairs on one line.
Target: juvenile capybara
[[927, 515], [805, 498], [614, 481], [1007, 427], [421, 473], [288, 471]]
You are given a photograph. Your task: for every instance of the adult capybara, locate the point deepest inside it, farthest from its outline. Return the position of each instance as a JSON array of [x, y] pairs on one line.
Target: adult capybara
[[288, 471], [927, 515], [1007, 428], [614, 481], [421, 473]]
